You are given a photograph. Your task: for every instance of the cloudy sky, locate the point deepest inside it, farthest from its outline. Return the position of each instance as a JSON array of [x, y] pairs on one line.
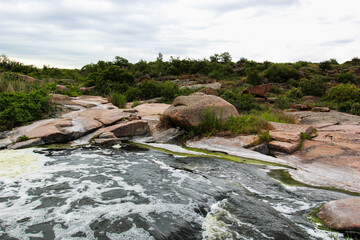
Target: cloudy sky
[[72, 33]]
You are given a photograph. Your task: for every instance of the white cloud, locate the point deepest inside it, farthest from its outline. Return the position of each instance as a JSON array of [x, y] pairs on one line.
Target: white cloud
[[74, 33]]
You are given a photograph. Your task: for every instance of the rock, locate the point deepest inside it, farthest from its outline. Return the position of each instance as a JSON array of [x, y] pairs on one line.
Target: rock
[[87, 89], [209, 91], [262, 148], [129, 129], [341, 215], [310, 99], [284, 127], [215, 86], [291, 137], [259, 90], [60, 99], [103, 141], [62, 88], [5, 142], [104, 116], [320, 109], [168, 135], [260, 100], [187, 111], [27, 143], [107, 134], [285, 147], [300, 107], [234, 142], [272, 100], [151, 112]]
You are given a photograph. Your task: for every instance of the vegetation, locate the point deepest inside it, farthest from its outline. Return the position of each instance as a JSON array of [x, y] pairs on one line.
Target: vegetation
[[19, 108], [118, 99]]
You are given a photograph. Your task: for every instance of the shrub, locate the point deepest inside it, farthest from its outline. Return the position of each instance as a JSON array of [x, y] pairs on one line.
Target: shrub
[[343, 93], [22, 138], [314, 86], [242, 102], [347, 77], [252, 76], [280, 73], [246, 124], [114, 78], [169, 90], [133, 93], [294, 93], [19, 108], [283, 102], [210, 122], [264, 136], [350, 107], [326, 65], [150, 89], [135, 103], [118, 99]]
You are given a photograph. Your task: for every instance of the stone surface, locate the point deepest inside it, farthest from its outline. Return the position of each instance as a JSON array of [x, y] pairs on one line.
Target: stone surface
[[128, 129], [272, 100], [167, 136], [259, 90], [87, 89], [300, 107], [62, 88], [320, 109], [215, 86], [187, 111], [284, 127], [341, 215], [286, 136], [102, 141], [209, 91], [25, 144], [285, 147], [104, 116], [308, 117]]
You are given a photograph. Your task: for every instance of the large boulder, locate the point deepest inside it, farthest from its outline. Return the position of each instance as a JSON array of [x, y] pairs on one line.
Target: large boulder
[[187, 111], [341, 215]]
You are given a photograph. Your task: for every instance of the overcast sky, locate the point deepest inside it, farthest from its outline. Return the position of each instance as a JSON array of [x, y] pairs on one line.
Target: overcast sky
[[72, 33]]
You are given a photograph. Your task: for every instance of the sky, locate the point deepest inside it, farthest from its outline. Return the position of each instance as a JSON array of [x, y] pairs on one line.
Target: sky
[[73, 33]]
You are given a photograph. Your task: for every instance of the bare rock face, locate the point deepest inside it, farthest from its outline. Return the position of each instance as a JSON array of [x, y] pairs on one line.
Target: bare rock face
[[25, 144], [129, 129], [187, 111], [209, 91], [259, 90], [341, 215], [286, 147], [320, 109]]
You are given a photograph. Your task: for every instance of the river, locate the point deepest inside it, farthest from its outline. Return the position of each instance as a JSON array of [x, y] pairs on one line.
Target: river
[[136, 193]]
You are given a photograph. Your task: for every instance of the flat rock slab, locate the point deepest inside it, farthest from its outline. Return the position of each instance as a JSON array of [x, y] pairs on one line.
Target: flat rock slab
[[26, 144], [104, 116], [236, 142], [294, 128], [151, 109], [285, 147], [286, 136], [341, 215], [308, 117]]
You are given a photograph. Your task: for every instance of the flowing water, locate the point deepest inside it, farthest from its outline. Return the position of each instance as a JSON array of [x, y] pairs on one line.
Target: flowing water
[[134, 193]]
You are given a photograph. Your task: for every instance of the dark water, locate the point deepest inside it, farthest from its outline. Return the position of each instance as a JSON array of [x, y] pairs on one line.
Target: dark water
[[133, 193]]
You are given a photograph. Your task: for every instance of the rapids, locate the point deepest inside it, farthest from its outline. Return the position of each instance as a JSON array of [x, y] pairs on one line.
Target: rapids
[[135, 193]]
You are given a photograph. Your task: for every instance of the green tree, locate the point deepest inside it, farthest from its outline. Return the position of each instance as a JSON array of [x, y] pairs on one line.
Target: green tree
[[252, 76]]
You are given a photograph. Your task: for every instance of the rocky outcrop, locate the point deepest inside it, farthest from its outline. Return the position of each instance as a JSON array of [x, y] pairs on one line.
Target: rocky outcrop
[[187, 111], [259, 90], [209, 91], [215, 86], [341, 215], [87, 89], [94, 113]]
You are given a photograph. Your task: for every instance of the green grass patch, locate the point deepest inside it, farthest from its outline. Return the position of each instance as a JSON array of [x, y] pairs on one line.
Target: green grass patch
[[118, 99]]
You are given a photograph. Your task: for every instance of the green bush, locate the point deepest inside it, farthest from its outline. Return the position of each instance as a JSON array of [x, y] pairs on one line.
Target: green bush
[[169, 90], [242, 102], [350, 107], [133, 93], [264, 136], [343, 93], [283, 102], [150, 89], [314, 86], [210, 122], [280, 73], [325, 65], [118, 99], [347, 77], [252, 76], [294, 93], [19, 108]]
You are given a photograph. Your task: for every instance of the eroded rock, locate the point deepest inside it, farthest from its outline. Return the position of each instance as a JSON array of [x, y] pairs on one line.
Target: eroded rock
[[259, 90], [341, 215], [187, 111]]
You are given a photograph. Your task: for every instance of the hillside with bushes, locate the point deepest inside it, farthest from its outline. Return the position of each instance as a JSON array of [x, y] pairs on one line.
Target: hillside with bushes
[[24, 88]]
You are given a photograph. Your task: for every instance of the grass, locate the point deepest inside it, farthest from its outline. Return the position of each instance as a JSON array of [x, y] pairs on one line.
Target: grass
[[276, 116], [22, 138], [12, 82], [118, 99], [135, 103]]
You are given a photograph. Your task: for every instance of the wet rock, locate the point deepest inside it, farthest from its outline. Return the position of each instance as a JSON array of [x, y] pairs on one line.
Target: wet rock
[[187, 111], [129, 129], [168, 135], [285, 147], [259, 90], [105, 141], [320, 109], [341, 215], [26, 144]]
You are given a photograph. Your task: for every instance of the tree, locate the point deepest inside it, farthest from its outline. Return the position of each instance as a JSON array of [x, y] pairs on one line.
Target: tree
[[252, 76]]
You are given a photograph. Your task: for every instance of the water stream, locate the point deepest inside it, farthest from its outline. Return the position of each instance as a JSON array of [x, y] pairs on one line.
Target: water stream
[[135, 193]]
